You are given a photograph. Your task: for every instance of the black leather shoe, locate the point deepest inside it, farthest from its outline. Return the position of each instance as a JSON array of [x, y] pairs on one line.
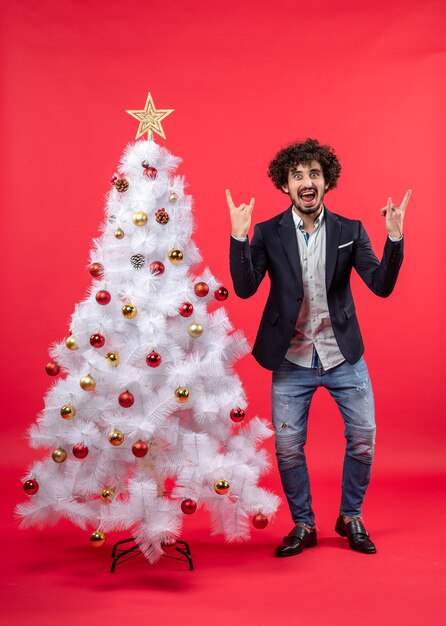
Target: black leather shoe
[[298, 539], [358, 537]]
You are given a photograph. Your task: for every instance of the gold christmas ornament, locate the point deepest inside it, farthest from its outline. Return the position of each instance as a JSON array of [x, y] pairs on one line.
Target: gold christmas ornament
[[221, 487], [68, 411], [175, 256], [97, 538], [70, 342], [195, 329], [107, 495], [182, 394], [113, 358], [150, 119], [87, 382], [121, 185], [139, 218], [59, 455], [119, 233], [173, 197], [116, 437], [129, 311]]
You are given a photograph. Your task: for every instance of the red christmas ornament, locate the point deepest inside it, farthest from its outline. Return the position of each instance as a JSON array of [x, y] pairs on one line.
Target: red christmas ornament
[[52, 368], [150, 172], [237, 415], [201, 290], [31, 486], [96, 270], [140, 449], [80, 451], [260, 521], [157, 268], [169, 546], [97, 340], [103, 297], [188, 506], [126, 399], [153, 359], [186, 309], [221, 294]]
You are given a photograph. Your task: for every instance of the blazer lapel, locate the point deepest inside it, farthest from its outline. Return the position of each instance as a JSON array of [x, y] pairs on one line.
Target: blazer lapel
[[332, 236], [287, 233]]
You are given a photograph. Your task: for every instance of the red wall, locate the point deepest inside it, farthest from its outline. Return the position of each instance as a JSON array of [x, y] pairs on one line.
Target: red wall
[[244, 79]]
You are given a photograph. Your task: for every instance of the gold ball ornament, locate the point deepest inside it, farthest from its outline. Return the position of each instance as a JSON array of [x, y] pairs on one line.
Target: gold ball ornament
[[221, 487], [119, 233], [175, 256], [68, 411], [173, 197], [87, 382], [113, 358], [129, 311], [70, 342], [59, 455], [107, 494], [97, 538], [182, 394], [195, 329], [140, 218], [116, 437]]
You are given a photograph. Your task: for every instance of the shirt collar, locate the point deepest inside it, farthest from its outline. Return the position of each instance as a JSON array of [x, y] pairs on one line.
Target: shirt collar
[[298, 221]]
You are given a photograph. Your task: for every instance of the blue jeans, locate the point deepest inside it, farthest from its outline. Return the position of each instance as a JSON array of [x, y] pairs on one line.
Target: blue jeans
[[292, 391]]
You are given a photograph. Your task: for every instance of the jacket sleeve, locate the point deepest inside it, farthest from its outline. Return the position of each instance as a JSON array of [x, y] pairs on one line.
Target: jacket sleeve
[[380, 277], [248, 263]]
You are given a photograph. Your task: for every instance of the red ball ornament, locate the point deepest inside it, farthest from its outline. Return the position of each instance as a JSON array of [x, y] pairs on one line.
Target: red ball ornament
[[96, 270], [188, 506], [126, 399], [140, 449], [80, 451], [201, 289], [169, 546], [103, 297], [97, 340], [31, 486], [186, 309], [150, 172], [153, 359], [260, 521], [52, 368], [157, 268], [221, 294], [237, 415]]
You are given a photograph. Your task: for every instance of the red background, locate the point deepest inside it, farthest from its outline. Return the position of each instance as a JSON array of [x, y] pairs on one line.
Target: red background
[[244, 78]]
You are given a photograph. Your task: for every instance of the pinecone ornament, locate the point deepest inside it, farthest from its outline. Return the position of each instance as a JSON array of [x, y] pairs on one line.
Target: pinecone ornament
[[121, 184], [138, 260], [162, 216]]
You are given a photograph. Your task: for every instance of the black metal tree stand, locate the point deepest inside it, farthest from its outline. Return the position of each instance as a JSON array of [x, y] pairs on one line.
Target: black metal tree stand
[[121, 555]]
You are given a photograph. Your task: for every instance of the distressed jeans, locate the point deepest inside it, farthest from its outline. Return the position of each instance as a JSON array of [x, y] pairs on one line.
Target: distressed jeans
[[292, 391]]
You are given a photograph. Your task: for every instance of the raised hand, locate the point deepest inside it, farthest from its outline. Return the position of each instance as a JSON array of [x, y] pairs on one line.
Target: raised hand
[[240, 216], [395, 216]]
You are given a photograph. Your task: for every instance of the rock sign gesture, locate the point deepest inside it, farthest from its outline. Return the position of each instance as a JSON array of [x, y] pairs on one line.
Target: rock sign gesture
[[240, 216], [395, 216]]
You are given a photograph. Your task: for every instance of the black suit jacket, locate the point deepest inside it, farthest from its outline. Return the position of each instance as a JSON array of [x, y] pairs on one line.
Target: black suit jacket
[[274, 249]]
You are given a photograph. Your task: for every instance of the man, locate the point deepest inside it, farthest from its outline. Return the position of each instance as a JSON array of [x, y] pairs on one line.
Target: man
[[309, 334]]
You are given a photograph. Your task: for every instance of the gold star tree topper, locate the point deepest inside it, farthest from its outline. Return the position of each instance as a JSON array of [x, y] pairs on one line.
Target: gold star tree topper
[[150, 119]]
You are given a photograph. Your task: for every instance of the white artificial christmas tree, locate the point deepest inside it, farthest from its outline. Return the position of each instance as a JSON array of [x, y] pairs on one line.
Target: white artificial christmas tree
[[148, 392]]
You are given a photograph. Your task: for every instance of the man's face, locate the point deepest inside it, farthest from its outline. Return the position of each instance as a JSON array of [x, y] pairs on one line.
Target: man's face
[[306, 187]]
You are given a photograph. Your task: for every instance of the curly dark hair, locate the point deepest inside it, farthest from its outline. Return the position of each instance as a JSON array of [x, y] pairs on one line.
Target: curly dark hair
[[303, 153]]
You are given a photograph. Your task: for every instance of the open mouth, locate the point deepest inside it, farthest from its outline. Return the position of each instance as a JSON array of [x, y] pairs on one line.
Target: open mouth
[[308, 196]]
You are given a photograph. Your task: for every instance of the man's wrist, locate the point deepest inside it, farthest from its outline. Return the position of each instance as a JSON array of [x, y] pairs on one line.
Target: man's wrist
[[239, 236], [395, 236]]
